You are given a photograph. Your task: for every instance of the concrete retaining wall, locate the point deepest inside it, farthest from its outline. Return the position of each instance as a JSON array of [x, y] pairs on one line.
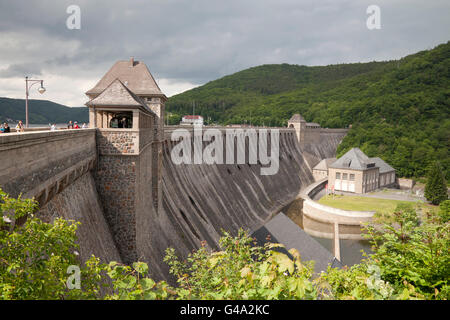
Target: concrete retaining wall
[[319, 220], [405, 184]]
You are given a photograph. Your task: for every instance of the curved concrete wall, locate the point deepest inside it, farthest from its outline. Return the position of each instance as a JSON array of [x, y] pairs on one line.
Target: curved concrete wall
[[329, 140], [319, 220], [201, 200]]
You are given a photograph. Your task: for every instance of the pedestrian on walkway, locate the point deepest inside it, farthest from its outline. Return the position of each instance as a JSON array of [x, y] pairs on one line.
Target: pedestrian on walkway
[[20, 127]]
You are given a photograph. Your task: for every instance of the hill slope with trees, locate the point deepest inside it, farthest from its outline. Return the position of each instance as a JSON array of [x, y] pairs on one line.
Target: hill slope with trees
[[399, 109], [41, 111]]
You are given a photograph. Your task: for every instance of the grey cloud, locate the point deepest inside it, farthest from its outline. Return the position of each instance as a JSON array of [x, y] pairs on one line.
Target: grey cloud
[[201, 40], [20, 70]]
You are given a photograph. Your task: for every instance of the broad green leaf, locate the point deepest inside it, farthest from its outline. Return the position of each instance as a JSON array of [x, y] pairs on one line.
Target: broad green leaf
[[147, 283]]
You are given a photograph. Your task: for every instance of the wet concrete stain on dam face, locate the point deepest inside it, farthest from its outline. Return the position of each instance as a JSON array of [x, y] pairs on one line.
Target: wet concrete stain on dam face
[[201, 200]]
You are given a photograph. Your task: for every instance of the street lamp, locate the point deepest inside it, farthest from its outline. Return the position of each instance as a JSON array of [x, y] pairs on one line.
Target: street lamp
[[41, 90]]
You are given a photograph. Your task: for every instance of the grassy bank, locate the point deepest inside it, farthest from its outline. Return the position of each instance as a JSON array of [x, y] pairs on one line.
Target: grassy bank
[[383, 207]]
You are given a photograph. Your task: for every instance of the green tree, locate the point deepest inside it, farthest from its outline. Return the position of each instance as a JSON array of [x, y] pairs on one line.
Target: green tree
[[436, 186], [410, 261], [35, 256], [413, 251], [242, 270]]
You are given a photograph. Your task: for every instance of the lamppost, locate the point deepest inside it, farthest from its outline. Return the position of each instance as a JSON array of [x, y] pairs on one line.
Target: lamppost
[[27, 90]]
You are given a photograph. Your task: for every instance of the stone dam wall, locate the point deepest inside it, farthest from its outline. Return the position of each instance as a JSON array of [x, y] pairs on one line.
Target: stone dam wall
[[200, 200], [56, 168], [80, 202], [62, 169]]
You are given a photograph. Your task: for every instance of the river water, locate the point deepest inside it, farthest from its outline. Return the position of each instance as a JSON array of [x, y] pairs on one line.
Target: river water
[[350, 249]]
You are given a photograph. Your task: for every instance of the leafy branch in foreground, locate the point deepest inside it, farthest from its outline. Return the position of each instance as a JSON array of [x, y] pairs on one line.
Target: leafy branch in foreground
[[242, 271], [35, 256], [410, 257], [410, 261]]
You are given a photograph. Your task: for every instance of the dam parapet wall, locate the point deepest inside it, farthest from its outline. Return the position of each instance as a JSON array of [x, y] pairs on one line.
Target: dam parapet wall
[[56, 168], [41, 164]]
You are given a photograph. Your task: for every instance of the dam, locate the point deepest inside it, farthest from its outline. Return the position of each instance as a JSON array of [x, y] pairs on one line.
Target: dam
[[118, 178]]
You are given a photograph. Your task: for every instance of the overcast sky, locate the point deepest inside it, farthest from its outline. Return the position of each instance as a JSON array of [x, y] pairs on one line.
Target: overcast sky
[[188, 43]]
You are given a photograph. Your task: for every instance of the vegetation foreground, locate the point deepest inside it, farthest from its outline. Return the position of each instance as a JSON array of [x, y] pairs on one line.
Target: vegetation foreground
[[410, 261]]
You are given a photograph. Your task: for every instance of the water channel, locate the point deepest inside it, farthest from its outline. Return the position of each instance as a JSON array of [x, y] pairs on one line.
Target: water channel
[[350, 249]]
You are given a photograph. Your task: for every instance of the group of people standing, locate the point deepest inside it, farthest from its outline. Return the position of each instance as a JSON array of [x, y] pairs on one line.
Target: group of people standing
[[75, 125], [5, 128]]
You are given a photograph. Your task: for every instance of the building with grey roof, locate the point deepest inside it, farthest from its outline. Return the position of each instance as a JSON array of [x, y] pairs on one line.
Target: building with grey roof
[[356, 172], [320, 170]]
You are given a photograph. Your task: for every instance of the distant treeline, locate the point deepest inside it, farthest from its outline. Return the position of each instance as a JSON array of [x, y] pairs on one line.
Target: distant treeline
[[399, 110], [40, 111]]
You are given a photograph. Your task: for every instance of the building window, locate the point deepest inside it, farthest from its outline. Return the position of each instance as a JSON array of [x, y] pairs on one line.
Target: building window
[[338, 175], [122, 120], [344, 176], [352, 177]]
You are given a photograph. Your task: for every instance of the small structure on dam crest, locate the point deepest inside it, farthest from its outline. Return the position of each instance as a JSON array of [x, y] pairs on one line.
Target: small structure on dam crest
[[307, 132], [127, 107]]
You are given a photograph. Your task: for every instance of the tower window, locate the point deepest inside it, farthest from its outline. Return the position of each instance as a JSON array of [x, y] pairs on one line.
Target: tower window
[[122, 120]]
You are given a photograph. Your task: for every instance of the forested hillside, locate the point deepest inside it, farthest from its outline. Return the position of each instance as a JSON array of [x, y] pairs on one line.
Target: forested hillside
[[40, 111], [399, 110]]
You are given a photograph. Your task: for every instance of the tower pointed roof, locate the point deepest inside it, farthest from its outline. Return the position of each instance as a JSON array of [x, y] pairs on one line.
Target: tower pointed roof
[[296, 118], [134, 74], [116, 94]]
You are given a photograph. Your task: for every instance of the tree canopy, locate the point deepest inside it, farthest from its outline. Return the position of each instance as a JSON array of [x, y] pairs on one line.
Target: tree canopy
[[399, 110], [37, 260]]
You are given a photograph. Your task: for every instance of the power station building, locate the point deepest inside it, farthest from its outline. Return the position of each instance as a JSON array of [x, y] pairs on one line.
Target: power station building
[[356, 172]]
